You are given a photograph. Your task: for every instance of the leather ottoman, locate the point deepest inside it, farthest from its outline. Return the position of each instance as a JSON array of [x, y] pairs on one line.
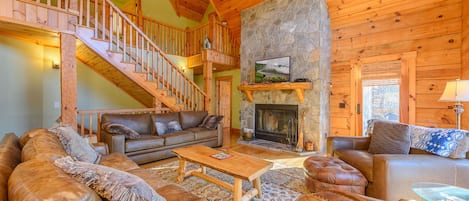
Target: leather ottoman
[[328, 173]]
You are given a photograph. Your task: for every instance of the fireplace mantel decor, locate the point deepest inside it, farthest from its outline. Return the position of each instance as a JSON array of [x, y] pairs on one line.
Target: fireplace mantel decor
[[299, 87]]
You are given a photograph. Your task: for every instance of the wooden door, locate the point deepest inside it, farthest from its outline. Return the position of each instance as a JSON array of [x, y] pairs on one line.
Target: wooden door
[[223, 98], [381, 71]]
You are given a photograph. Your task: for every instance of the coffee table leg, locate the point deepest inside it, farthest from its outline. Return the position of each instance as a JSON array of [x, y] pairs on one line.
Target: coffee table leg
[[182, 170], [257, 185], [238, 191]]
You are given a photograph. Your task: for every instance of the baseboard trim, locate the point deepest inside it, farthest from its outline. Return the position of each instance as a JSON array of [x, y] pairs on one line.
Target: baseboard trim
[[235, 131]]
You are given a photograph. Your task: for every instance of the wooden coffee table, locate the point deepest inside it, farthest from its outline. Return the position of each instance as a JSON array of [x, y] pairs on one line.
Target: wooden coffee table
[[240, 166]]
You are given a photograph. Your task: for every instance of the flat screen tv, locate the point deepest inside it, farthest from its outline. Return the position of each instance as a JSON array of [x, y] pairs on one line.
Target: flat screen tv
[[273, 70]]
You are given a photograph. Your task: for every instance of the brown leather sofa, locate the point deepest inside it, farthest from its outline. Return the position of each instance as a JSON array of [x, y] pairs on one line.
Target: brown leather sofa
[[37, 178], [390, 176], [151, 146]]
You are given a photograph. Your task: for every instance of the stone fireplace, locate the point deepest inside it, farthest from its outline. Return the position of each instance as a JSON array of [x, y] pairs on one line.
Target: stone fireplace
[[299, 29], [277, 123]]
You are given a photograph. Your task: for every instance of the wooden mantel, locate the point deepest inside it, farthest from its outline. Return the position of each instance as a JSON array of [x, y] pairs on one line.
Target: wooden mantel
[[299, 87]]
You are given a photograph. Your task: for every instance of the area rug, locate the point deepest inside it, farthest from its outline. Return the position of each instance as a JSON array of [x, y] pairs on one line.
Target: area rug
[[280, 183]]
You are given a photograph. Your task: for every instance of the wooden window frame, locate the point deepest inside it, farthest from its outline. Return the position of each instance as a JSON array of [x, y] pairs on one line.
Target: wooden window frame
[[408, 62]]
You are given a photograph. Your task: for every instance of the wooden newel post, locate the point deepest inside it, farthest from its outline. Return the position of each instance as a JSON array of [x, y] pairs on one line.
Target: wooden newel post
[[68, 79], [208, 76]]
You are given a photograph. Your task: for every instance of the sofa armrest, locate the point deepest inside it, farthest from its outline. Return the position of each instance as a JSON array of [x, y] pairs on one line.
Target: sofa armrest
[[115, 142], [220, 134], [101, 148], [394, 174], [341, 142]]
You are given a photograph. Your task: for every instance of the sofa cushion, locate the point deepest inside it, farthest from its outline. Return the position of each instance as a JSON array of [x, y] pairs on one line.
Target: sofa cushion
[[178, 137], [211, 121], [109, 183], [145, 142], [140, 123], [75, 145], [114, 128], [360, 159], [45, 146], [10, 156], [190, 119], [203, 133], [389, 138], [118, 161], [40, 180]]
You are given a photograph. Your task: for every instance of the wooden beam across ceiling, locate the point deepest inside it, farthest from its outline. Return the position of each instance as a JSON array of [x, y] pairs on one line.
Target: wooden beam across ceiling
[[229, 10], [191, 9]]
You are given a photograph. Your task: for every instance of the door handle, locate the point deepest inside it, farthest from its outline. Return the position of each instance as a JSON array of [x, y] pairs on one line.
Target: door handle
[[358, 109]]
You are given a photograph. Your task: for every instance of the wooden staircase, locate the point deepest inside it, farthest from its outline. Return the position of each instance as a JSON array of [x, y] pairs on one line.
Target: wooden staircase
[[118, 50]]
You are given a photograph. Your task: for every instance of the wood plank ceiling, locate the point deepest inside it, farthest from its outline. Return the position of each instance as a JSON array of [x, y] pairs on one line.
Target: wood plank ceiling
[[229, 10], [191, 9]]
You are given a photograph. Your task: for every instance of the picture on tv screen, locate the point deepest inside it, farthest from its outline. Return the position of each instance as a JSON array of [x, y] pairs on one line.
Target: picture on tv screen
[[273, 70]]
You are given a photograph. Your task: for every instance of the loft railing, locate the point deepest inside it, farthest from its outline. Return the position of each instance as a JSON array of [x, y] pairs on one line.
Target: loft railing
[[188, 42], [123, 36], [65, 6], [89, 121]]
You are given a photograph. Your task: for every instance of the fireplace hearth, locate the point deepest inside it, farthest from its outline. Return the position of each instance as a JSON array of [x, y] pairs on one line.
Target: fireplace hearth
[[277, 123]]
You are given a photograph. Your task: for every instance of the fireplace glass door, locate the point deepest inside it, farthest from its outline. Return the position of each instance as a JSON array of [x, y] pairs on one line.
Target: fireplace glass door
[[278, 123]]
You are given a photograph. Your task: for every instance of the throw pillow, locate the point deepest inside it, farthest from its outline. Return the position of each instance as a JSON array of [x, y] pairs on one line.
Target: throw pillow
[[115, 128], [211, 121], [439, 141], [462, 148], [107, 182], [75, 145], [389, 138], [165, 128]]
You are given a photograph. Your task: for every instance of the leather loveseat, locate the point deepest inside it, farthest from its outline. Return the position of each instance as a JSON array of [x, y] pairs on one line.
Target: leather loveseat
[[151, 145], [390, 176], [37, 178]]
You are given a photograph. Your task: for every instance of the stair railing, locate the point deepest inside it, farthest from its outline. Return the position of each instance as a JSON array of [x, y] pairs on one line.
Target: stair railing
[[123, 36]]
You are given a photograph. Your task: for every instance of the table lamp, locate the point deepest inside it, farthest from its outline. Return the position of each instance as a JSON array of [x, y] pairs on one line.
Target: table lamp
[[456, 91]]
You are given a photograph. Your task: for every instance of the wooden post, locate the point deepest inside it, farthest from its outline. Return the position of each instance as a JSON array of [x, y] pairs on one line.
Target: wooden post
[[189, 42], [208, 76], [139, 14], [212, 17], [68, 79]]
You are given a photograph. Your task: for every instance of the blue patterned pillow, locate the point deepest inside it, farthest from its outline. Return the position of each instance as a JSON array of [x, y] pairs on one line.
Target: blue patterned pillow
[[436, 140]]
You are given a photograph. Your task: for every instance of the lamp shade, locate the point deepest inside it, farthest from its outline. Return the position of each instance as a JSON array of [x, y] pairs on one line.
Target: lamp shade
[[456, 91]]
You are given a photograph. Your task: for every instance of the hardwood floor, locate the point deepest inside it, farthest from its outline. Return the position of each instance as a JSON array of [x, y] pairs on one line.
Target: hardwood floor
[[274, 156]]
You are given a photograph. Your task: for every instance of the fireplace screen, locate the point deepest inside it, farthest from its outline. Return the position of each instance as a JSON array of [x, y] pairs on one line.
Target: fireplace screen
[[278, 123]]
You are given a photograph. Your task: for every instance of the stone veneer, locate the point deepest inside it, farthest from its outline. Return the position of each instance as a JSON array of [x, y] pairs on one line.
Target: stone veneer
[[299, 29]]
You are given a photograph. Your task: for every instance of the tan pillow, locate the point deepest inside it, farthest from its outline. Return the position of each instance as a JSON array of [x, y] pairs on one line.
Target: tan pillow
[[109, 183], [75, 145], [389, 138]]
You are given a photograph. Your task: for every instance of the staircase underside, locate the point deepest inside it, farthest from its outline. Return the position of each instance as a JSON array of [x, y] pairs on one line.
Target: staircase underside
[[108, 71]]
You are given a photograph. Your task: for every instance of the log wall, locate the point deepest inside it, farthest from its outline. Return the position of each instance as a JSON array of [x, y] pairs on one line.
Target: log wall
[[367, 28]]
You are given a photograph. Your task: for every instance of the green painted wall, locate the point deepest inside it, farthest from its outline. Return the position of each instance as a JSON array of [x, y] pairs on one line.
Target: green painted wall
[[163, 11], [20, 86], [235, 94], [30, 88]]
